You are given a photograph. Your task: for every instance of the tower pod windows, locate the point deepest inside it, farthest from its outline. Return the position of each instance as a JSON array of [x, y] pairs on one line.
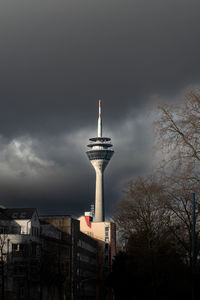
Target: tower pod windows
[[100, 154]]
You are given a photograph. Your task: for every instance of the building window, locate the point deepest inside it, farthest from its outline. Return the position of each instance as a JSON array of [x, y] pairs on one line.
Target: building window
[[19, 248], [4, 230], [84, 258], [67, 267], [106, 246], [87, 246], [15, 230], [15, 248], [34, 250], [34, 231], [23, 215], [15, 215], [106, 259], [106, 233], [21, 292], [20, 268]]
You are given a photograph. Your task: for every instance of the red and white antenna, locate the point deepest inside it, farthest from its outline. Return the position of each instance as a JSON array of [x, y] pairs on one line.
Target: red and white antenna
[[99, 108], [99, 121]]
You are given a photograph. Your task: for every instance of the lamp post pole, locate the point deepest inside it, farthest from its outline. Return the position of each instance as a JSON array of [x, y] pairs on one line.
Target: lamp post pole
[[193, 245]]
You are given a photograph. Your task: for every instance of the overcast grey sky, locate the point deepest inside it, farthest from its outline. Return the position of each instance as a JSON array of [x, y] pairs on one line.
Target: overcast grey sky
[[57, 58]]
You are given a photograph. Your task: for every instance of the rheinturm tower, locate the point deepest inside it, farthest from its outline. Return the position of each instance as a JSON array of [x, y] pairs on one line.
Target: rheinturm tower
[[99, 155]]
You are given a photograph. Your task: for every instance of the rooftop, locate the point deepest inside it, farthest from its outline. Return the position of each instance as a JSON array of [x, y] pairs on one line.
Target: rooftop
[[56, 216], [19, 213]]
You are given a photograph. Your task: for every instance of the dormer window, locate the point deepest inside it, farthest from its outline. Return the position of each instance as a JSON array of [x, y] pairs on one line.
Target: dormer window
[[15, 215], [23, 215]]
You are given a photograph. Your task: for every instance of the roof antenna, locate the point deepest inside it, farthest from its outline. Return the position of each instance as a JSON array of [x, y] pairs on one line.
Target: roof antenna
[[99, 121]]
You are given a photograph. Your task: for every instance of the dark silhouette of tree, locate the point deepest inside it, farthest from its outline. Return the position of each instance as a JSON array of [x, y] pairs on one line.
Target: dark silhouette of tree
[[179, 203], [52, 274], [149, 272], [155, 222]]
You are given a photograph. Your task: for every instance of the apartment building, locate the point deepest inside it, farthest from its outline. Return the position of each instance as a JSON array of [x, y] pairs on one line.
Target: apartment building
[[83, 256], [54, 257], [20, 253]]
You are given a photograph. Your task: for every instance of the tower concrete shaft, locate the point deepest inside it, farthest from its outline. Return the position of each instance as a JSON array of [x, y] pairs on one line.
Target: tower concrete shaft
[[99, 156]]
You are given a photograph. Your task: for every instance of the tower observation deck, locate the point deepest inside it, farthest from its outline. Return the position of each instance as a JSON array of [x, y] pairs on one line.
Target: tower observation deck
[[99, 155]]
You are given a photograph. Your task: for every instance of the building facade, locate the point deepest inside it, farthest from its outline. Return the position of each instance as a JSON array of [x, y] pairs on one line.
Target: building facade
[[54, 257], [19, 254], [83, 256], [55, 281], [105, 235]]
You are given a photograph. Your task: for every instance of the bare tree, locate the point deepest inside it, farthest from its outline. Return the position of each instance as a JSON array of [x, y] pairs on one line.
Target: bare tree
[[154, 226], [3, 241], [143, 209], [161, 205], [177, 131], [159, 209], [178, 202]]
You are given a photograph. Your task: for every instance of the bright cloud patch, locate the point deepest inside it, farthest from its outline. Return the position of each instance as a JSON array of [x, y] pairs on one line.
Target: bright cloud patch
[[17, 158]]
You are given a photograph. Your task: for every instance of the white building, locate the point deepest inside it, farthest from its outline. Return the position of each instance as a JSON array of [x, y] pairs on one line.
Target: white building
[[19, 253]]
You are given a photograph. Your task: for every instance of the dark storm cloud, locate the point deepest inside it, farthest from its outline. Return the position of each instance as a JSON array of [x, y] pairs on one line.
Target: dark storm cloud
[[54, 174], [57, 58]]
